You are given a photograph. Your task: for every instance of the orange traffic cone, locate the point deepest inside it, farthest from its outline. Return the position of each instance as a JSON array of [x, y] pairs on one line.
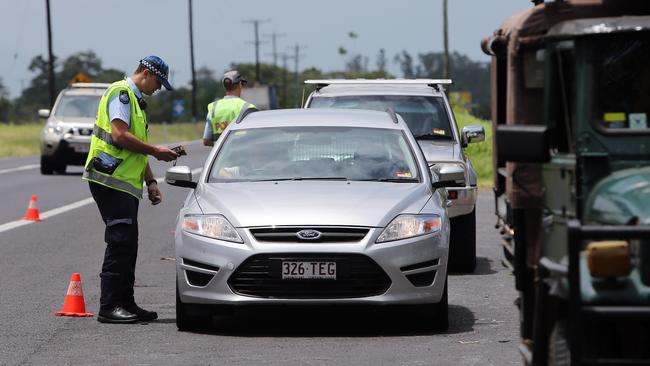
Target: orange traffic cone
[[74, 304], [32, 211]]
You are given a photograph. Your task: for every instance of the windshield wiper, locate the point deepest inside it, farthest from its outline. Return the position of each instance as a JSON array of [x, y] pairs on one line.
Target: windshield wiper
[[432, 137], [299, 178], [391, 180], [319, 178]]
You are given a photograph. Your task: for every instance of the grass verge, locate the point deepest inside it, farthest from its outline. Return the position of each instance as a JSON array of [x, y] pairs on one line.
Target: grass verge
[[23, 139], [480, 153]]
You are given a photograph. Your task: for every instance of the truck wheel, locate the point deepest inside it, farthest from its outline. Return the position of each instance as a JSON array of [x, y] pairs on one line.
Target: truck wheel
[[47, 167], [462, 243], [558, 346], [186, 322]]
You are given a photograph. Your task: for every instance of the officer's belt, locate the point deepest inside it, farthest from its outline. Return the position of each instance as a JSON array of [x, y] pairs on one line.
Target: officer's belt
[[101, 134]]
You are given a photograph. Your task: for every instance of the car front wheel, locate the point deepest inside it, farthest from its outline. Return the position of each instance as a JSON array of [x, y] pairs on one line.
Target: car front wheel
[[462, 243], [47, 166], [186, 321]]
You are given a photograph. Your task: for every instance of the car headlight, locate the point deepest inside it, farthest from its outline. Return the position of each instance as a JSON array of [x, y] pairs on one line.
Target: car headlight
[[54, 128], [212, 226], [407, 226]]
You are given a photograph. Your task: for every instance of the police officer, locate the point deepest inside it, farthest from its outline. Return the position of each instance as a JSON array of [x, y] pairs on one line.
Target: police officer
[[222, 111], [116, 168]]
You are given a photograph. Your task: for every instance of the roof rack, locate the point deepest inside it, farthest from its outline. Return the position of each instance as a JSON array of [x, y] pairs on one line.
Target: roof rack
[[90, 85], [434, 83], [392, 114]]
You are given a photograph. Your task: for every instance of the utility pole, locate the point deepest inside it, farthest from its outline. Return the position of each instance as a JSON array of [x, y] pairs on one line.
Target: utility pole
[[445, 56], [192, 64], [50, 74], [257, 43], [296, 58], [273, 36], [285, 80]]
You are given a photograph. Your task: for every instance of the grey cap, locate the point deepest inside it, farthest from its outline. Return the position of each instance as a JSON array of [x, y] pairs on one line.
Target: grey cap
[[234, 76]]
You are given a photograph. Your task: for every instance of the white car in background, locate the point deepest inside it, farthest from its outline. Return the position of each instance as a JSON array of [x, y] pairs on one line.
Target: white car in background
[[424, 106], [65, 138]]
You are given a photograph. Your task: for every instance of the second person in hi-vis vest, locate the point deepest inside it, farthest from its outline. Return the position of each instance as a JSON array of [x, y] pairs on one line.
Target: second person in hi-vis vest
[[226, 109]]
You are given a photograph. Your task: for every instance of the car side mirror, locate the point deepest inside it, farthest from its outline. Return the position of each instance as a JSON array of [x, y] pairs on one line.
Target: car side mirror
[[43, 113], [471, 134], [180, 176], [448, 176], [523, 143]]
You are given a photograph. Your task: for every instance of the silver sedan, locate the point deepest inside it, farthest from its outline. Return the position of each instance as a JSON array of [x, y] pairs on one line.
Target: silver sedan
[[313, 207]]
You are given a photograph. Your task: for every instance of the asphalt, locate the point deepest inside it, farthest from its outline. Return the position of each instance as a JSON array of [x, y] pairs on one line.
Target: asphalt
[[36, 262]]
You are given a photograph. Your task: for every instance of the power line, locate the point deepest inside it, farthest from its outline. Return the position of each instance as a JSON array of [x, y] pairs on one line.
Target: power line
[[274, 36], [257, 43]]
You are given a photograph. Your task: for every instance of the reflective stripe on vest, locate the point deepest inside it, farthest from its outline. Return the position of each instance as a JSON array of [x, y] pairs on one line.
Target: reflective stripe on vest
[[103, 135], [109, 181]]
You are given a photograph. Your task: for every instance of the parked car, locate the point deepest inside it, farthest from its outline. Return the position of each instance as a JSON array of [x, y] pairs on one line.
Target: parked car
[[313, 207], [425, 108], [65, 138]]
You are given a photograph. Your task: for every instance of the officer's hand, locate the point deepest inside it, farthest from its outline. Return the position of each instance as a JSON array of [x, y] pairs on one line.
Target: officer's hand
[[164, 153], [154, 194]]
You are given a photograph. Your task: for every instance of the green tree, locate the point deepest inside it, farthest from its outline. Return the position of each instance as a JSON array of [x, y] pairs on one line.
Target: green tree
[[5, 104]]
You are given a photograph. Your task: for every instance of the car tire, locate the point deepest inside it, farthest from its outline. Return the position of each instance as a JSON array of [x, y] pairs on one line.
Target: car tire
[[436, 316], [462, 243], [186, 322], [559, 353], [60, 168], [47, 167]]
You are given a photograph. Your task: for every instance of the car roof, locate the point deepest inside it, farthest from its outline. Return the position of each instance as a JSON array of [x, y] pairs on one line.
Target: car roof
[[379, 89], [86, 89], [330, 117]]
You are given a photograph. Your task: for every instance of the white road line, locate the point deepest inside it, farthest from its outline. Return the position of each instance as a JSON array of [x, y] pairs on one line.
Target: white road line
[[24, 167], [59, 210]]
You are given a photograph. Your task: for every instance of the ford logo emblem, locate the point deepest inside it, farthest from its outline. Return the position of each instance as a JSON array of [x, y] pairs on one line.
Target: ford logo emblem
[[309, 234]]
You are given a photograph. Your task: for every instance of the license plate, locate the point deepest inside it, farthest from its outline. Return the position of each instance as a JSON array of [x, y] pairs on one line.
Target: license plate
[[81, 148], [308, 270]]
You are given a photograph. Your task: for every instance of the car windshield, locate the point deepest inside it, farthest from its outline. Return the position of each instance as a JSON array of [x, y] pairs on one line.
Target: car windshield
[[84, 106], [315, 153], [425, 116], [621, 81]]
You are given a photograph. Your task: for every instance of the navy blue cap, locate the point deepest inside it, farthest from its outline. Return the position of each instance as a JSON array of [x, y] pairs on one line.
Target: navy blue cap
[[156, 65]]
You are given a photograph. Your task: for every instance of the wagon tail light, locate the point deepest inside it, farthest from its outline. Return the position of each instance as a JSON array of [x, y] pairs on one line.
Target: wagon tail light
[[609, 259]]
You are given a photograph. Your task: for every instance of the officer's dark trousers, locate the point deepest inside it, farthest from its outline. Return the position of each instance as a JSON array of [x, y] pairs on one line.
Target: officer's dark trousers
[[119, 211]]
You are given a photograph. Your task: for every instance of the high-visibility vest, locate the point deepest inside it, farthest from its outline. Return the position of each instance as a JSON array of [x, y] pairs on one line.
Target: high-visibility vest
[[223, 111], [129, 175]]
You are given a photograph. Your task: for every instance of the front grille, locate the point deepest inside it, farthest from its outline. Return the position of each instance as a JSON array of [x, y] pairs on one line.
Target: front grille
[[85, 131], [357, 276], [328, 234]]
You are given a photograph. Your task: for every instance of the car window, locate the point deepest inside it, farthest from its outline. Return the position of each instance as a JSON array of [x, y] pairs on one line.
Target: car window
[[621, 81], [426, 116], [303, 153], [84, 106]]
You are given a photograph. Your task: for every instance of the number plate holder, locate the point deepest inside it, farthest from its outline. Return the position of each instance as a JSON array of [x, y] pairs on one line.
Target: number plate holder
[[307, 270]]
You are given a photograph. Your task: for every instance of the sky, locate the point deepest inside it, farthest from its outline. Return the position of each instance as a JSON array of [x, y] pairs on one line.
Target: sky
[[123, 32]]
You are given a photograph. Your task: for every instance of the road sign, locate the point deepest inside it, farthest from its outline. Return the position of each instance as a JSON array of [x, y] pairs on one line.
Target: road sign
[[178, 107]]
